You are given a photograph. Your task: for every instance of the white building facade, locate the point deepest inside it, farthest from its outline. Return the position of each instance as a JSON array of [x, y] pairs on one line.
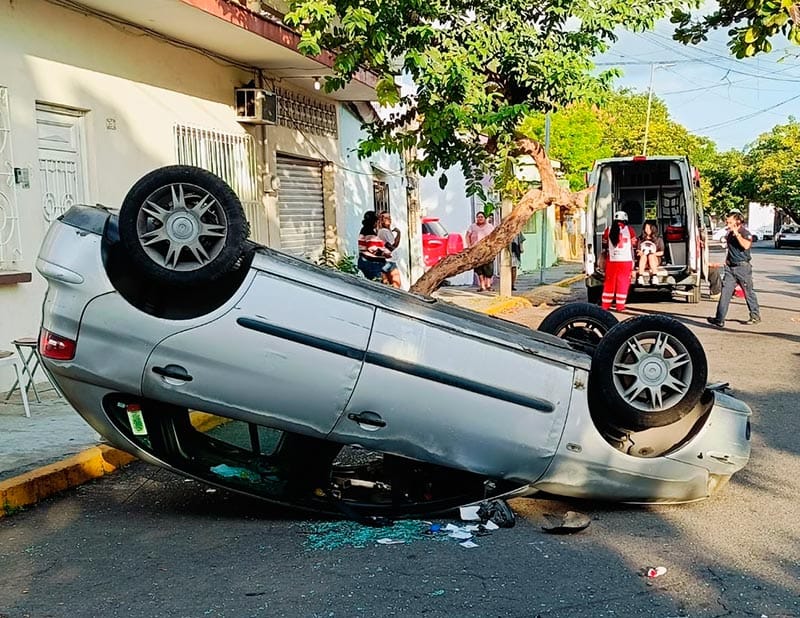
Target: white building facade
[[96, 93]]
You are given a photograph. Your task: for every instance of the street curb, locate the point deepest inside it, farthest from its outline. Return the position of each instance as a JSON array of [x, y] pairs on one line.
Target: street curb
[[507, 303], [570, 280], [30, 487]]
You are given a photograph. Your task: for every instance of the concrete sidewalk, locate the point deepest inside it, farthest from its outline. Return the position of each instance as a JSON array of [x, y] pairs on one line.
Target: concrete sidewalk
[[532, 288], [56, 449]]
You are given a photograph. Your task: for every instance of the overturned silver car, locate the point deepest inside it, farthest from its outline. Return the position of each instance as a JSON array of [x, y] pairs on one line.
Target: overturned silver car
[[187, 345]]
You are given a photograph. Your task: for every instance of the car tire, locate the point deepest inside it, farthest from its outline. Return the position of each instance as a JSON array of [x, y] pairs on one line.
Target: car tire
[[648, 371], [182, 225], [583, 325]]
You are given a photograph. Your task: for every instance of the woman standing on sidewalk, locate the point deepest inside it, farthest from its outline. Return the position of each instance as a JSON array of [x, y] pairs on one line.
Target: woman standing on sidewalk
[[619, 241], [372, 252], [477, 232]]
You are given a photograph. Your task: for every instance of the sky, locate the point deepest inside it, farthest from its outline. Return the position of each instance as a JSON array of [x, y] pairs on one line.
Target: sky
[[708, 90]]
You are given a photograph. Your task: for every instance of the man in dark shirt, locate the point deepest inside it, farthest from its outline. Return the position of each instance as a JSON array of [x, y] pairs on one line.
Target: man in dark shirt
[[737, 270]]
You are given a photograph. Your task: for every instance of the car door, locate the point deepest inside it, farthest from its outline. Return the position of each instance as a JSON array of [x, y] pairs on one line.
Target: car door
[[439, 395], [286, 356]]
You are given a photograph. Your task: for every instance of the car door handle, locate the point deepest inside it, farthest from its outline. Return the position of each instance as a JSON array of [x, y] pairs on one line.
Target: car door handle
[[176, 372], [371, 419]]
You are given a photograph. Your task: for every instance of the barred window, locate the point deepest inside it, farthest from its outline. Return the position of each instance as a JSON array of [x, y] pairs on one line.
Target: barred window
[[380, 192]]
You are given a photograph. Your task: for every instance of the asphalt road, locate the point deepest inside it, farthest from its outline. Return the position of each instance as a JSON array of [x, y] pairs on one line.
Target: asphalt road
[[147, 543]]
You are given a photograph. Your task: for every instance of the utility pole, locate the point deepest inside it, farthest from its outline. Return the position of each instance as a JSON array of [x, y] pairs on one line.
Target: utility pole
[[653, 67], [649, 104], [543, 257]]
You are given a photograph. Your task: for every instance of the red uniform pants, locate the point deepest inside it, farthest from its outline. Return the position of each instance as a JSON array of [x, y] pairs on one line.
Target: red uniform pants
[[616, 284]]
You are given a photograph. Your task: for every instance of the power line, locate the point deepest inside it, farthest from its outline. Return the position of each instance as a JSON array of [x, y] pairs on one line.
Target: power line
[[647, 62], [706, 61], [719, 125]]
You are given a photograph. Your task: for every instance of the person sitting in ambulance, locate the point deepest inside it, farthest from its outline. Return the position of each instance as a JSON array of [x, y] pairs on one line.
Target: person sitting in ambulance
[[649, 252]]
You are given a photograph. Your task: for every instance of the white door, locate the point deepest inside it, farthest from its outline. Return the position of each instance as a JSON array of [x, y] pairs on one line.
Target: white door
[[10, 242], [62, 166]]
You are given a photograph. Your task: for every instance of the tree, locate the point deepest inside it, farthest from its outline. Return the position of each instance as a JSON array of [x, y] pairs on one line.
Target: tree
[[729, 181], [754, 23], [582, 133], [625, 116], [774, 161], [479, 68], [577, 139]]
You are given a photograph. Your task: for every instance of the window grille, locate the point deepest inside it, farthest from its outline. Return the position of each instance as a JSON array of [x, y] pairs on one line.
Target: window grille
[[380, 193], [306, 114], [231, 156]]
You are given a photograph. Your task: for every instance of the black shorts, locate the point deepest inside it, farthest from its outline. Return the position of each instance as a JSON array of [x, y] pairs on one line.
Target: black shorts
[[372, 269], [485, 270]]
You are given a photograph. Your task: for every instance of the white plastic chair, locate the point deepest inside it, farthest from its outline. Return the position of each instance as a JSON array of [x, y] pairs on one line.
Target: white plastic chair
[[10, 358]]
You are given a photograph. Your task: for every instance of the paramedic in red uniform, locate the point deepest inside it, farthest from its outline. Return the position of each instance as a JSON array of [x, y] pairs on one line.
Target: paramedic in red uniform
[[619, 241]]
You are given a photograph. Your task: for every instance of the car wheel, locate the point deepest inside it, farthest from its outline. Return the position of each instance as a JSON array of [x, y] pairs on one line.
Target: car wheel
[[182, 225], [648, 371], [583, 325]]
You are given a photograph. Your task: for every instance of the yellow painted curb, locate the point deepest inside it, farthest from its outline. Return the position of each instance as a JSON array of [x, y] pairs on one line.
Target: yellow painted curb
[[92, 463], [507, 303], [30, 487], [571, 280]]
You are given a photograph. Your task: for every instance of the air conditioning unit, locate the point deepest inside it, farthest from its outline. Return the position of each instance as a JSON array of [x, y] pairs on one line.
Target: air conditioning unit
[[256, 106]]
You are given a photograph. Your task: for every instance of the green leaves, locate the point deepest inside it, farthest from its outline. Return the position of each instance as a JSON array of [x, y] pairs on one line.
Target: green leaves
[[752, 24], [387, 91], [774, 163], [356, 21], [479, 67]]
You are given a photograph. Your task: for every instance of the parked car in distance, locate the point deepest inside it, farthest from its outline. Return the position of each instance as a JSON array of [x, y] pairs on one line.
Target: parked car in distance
[[197, 350], [788, 236], [719, 235], [763, 232], [437, 242]]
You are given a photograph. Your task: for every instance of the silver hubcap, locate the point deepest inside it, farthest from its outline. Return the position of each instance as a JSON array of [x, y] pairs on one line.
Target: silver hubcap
[[182, 227], [652, 371]]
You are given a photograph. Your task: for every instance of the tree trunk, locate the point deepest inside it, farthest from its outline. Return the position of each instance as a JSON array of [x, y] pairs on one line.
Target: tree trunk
[[486, 250]]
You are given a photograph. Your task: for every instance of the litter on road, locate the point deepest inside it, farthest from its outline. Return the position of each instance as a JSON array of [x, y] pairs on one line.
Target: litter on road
[[347, 533], [568, 523], [656, 571]]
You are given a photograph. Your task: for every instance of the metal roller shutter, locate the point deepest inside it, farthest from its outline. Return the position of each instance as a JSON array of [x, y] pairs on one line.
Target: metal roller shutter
[[300, 206]]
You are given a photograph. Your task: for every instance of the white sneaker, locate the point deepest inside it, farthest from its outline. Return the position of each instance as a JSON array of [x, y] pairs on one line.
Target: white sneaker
[[654, 280], [640, 280]]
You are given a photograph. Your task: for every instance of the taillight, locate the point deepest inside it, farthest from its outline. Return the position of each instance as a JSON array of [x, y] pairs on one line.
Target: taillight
[[55, 346]]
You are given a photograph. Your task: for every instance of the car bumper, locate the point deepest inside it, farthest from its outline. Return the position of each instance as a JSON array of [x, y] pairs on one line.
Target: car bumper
[[587, 466]]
